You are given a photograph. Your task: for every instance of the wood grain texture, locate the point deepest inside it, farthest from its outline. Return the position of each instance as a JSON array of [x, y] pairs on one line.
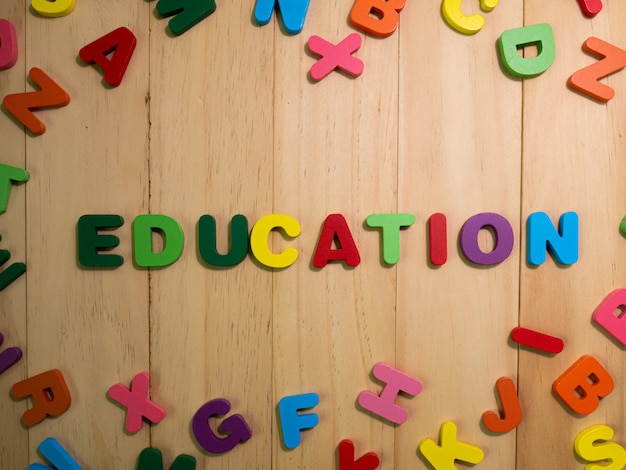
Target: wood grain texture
[[460, 158], [335, 152], [13, 306], [573, 161], [225, 120], [90, 324], [211, 153]]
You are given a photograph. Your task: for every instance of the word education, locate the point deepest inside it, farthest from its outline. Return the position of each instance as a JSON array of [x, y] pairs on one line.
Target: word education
[[335, 242]]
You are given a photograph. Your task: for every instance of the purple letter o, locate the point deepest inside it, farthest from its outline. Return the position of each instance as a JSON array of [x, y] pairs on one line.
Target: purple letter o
[[503, 238]]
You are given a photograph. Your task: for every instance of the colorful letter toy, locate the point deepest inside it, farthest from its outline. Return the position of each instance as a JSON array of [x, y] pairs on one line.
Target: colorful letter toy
[[336, 228], [173, 240], [543, 237], [369, 461], [90, 242], [53, 9], [136, 401], [536, 340], [590, 8], [9, 356], [152, 459], [50, 395], [438, 239], [335, 57], [442, 456], [292, 12], [594, 445], [539, 35], [503, 234], [11, 273], [188, 13], [9, 175], [612, 59], [605, 315], [390, 233], [451, 11], [8, 44], [511, 412], [395, 382], [54, 453], [235, 429], [583, 384], [207, 243], [21, 105], [259, 240], [376, 17], [291, 422], [121, 43]]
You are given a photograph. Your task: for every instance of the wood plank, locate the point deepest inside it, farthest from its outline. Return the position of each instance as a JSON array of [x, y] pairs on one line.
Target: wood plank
[[226, 120], [211, 153], [573, 161], [459, 154], [90, 324], [335, 152], [13, 439]]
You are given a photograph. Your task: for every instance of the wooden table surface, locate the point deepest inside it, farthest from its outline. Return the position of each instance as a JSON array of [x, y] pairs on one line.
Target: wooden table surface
[[225, 120]]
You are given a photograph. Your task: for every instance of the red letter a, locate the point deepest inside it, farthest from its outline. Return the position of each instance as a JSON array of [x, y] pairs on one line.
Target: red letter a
[[122, 43], [335, 226]]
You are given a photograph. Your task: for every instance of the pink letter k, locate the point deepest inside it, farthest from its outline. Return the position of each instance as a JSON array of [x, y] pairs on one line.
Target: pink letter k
[[334, 57], [136, 402]]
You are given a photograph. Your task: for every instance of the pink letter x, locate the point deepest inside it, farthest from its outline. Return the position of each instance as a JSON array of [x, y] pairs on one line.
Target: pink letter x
[[136, 401], [334, 57]]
